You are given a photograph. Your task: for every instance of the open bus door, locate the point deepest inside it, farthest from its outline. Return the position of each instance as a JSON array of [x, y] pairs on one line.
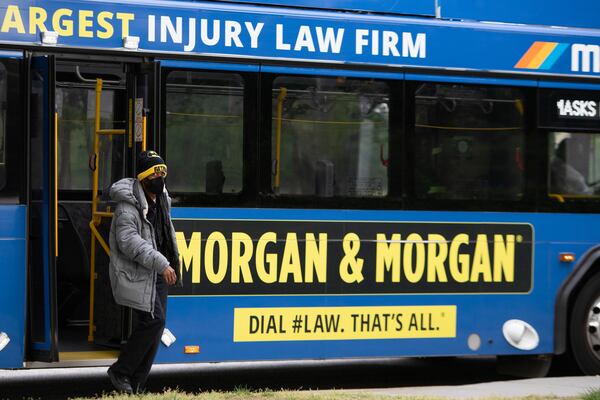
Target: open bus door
[[89, 118], [43, 194]]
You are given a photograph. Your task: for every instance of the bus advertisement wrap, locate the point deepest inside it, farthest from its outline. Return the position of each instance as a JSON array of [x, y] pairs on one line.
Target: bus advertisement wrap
[[343, 184], [224, 30], [343, 323], [225, 257]]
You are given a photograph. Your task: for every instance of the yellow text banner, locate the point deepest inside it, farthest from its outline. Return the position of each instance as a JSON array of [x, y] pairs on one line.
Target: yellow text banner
[[343, 323]]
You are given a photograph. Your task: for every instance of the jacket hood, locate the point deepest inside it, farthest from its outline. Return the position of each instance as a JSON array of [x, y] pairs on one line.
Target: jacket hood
[[130, 191]]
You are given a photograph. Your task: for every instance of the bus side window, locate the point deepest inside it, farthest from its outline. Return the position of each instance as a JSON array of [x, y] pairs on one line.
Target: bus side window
[[327, 135], [574, 163], [204, 132], [468, 142]]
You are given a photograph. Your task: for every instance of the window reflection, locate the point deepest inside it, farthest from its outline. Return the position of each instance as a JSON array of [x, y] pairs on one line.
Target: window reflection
[[574, 163], [468, 142], [204, 141], [76, 109], [329, 137]]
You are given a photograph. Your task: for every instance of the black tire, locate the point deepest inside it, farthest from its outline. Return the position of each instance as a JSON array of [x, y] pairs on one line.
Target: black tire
[[584, 327]]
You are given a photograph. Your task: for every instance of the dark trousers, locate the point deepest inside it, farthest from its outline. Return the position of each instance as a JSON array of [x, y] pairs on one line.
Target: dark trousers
[[137, 355]]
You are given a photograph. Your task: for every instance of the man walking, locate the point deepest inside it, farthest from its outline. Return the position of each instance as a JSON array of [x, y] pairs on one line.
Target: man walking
[[143, 262]]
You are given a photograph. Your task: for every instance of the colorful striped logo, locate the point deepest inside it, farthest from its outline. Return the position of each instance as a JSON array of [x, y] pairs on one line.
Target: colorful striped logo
[[542, 55]]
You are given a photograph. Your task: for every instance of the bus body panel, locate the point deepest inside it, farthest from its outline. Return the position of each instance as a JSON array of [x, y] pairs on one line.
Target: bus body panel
[[309, 36], [416, 7], [580, 13], [242, 314], [216, 337], [13, 283], [208, 320]]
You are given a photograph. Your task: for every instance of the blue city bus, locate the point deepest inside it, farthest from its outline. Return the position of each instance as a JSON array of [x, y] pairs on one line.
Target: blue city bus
[[349, 178]]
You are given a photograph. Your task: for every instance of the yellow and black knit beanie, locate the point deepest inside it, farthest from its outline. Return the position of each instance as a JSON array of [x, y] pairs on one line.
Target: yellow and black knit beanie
[[150, 162]]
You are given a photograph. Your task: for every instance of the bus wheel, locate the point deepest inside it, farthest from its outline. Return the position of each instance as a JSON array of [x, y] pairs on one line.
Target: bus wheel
[[585, 327]]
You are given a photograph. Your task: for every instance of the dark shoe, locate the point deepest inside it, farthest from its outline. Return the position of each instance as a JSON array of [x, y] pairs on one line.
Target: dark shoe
[[138, 387], [120, 382]]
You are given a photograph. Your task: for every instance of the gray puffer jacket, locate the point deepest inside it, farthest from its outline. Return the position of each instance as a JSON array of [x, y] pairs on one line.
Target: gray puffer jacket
[[134, 258]]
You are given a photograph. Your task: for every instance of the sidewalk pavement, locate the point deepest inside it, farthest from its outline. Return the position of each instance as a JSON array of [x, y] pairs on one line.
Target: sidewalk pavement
[[559, 387]]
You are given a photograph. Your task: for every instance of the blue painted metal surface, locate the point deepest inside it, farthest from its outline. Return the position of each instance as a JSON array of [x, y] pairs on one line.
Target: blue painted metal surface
[[11, 54], [569, 85], [208, 321], [263, 33], [13, 283], [577, 13], [180, 64], [472, 80], [414, 7], [331, 72]]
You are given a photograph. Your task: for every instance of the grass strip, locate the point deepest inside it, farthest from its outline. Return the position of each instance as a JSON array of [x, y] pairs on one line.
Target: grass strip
[[243, 393]]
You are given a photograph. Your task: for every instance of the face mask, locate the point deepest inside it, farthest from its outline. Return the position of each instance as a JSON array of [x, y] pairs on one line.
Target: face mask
[[155, 186]]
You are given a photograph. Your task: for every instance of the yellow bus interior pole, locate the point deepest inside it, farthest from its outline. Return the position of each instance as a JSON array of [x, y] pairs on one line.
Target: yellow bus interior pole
[[96, 214], [280, 100], [94, 222], [56, 184], [144, 120]]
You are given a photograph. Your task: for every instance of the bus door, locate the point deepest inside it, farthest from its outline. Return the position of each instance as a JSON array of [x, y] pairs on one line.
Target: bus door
[[13, 211], [89, 119], [43, 201]]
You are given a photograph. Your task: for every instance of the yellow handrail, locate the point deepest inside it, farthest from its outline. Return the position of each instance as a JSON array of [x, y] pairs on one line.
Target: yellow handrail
[[280, 99], [96, 214], [110, 132], [56, 184], [144, 121], [99, 238], [561, 197]]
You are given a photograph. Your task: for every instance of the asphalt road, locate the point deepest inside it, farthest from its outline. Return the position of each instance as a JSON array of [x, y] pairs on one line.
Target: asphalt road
[[455, 377]]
